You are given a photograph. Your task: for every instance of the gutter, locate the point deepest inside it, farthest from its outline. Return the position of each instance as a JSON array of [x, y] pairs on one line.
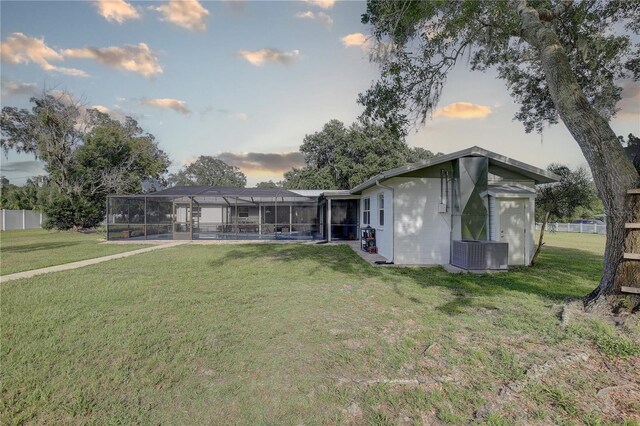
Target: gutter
[[393, 220]]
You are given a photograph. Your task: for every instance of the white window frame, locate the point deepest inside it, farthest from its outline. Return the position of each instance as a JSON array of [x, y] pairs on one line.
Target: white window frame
[[381, 209], [366, 211]]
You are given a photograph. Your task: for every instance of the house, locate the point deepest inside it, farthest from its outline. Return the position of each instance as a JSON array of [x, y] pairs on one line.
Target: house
[[427, 213]]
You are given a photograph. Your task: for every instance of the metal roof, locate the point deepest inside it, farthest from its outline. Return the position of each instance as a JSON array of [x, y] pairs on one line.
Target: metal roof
[[535, 173], [308, 192], [221, 191], [510, 190]]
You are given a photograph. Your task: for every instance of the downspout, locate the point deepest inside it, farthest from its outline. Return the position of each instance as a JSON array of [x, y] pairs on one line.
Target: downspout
[[393, 221]]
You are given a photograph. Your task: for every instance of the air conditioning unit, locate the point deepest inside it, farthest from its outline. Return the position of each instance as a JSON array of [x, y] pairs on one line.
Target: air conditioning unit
[[480, 255]]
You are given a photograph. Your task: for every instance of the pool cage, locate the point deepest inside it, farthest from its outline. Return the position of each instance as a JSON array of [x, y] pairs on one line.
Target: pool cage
[[208, 212]]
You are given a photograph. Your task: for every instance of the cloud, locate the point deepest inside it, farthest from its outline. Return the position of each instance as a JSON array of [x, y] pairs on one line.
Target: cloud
[[463, 110], [113, 113], [67, 98], [188, 160], [187, 14], [116, 10], [139, 59], [259, 57], [21, 49], [321, 17], [12, 88], [237, 6], [355, 40], [242, 116], [27, 168], [174, 104], [269, 162], [234, 115], [323, 4]]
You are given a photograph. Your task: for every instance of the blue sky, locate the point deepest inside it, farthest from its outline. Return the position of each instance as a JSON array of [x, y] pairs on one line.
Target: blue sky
[[243, 80]]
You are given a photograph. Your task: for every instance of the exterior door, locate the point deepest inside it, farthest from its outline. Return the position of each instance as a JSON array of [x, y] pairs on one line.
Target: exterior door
[[513, 228], [182, 226]]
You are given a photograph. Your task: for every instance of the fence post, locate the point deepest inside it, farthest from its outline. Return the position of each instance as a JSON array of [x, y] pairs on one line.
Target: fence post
[[40, 219], [4, 219], [24, 219]]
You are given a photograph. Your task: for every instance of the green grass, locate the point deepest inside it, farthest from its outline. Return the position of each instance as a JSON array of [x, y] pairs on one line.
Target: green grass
[[300, 334], [593, 243], [38, 248]]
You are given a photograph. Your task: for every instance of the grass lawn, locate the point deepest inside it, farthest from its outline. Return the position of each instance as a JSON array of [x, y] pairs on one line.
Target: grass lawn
[[307, 334], [593, 243], [38, 248]]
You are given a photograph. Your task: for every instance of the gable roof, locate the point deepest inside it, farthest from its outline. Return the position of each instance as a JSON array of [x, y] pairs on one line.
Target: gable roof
[[536, 174]]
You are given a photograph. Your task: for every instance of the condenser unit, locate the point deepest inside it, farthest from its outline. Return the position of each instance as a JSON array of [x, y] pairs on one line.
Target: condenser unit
[[476, 254]]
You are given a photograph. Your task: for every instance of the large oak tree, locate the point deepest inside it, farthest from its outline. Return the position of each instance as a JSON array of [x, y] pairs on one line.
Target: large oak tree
[[341, 157], [561, 60], [209, 171], [87, 155]]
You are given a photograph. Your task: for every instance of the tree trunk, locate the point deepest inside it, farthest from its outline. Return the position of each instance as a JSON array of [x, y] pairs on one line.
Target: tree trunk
[[613, 172], [540, 242]]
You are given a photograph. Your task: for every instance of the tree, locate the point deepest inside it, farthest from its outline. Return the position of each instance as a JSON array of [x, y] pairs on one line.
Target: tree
[[560, 200], [210, 171], [632, 148], [269, 184], [87, 155], [338, 157], [560, 60], [26, 197]]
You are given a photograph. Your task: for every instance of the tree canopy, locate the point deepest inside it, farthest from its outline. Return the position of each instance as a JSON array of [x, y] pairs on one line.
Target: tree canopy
[[632, 148], [87, 155], [207, 170], [426, 39], [25, 197], [269, 184], [561, 199], [340, 157]]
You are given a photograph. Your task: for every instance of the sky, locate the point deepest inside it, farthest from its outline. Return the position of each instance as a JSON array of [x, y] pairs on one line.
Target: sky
[[244, 81]]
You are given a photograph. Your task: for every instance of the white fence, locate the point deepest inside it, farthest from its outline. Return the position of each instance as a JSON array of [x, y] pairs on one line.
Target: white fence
[[585, 228], [11, 220]]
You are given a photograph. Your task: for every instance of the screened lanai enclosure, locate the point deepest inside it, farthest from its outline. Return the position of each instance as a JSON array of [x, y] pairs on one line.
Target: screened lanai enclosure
[[199, 212]]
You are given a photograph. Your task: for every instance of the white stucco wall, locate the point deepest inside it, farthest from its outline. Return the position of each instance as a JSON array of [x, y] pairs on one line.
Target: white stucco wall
[[422, 234], [384, 233]]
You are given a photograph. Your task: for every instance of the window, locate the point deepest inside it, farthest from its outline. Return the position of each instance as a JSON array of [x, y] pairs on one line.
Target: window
[[381, 209], [366, 211], [243, 211]]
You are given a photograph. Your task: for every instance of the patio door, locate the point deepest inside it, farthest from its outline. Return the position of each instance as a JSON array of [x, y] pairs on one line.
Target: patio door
[[182, 221], [344, 220]]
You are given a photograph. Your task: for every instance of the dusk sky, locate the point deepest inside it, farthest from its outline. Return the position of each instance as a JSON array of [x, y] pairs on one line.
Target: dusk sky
[[245, 81]]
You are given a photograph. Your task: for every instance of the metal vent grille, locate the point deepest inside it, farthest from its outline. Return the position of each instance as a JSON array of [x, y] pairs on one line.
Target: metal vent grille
[[468, 254]]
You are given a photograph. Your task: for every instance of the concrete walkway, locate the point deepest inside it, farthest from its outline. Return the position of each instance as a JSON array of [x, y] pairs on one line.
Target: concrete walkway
[[371, 258], [81, 263]]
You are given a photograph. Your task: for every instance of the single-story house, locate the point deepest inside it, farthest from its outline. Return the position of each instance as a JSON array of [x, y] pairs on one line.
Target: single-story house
[[468, 208]]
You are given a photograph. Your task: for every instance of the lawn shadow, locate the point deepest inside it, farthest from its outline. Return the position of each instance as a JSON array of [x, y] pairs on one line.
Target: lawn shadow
[[339, 258], [25, 248], [560, 273]]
